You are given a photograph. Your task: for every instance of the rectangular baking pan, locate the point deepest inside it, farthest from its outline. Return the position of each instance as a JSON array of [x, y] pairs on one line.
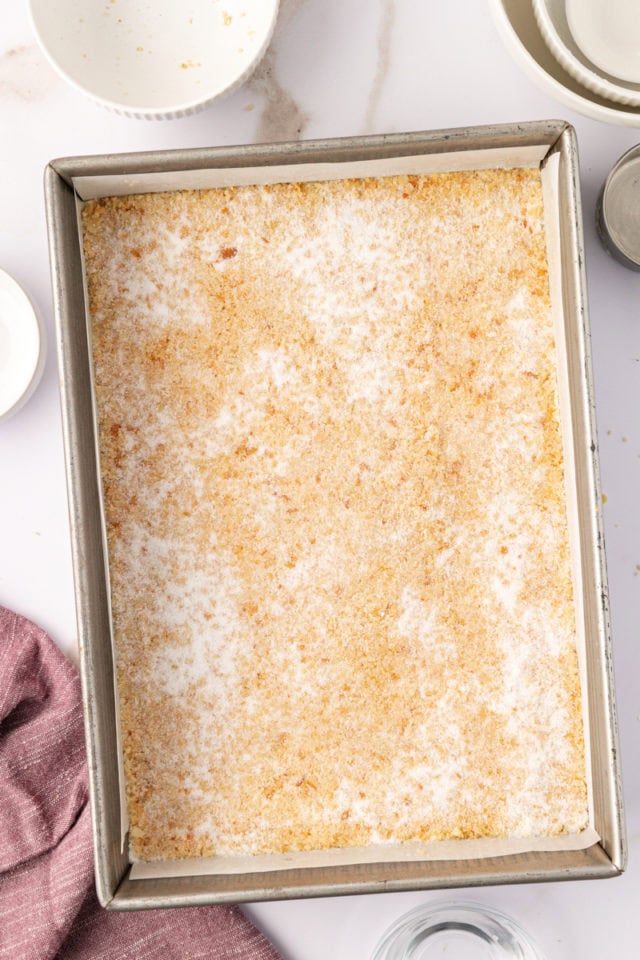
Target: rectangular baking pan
[[67, 180]]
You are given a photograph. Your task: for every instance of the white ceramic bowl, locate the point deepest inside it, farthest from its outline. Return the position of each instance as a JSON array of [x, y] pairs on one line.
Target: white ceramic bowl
[[608, 32], [551, 16], [521, 35], [21, 347], [157, 59]]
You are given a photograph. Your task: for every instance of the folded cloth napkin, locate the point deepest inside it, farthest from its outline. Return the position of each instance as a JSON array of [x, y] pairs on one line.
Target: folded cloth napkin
[[48, 906]]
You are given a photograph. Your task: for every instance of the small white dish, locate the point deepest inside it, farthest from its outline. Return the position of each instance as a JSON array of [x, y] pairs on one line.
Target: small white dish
[[21, 347], [608, 32], [551, 16], [517, 27], [158, 60]]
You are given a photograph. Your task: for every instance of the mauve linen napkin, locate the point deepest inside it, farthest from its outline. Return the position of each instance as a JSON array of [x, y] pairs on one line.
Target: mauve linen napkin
[[48, 906]]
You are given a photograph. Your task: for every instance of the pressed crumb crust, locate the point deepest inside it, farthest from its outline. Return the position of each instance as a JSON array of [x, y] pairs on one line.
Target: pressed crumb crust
[[334, 494]]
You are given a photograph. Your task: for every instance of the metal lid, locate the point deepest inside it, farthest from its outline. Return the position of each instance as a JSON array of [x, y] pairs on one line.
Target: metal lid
[[457, 930], [618, 211]]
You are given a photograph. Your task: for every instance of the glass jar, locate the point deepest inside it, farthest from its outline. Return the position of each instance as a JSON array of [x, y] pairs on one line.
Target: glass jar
[[456, 931]]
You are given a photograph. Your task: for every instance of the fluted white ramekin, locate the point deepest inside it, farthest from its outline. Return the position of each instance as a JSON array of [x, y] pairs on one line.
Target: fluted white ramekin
[[156, 59]]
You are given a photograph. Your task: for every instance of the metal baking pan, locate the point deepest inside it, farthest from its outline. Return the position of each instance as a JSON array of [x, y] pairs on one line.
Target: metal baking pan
[[68, 181]]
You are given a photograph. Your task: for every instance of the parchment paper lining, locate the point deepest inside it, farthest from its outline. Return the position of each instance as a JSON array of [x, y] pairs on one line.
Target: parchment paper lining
[[90, 188], [550, 191], [124, 815], [119, 185]]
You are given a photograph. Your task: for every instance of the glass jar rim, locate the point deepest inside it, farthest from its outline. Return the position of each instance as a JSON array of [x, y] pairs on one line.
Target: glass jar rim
[[504, 938]]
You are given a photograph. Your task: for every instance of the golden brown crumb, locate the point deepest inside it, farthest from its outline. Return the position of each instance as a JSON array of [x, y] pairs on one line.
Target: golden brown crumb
[[337, 534]]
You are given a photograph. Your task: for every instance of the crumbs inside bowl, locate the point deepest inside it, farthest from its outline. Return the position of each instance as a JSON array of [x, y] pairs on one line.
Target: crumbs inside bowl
[[158, 61]]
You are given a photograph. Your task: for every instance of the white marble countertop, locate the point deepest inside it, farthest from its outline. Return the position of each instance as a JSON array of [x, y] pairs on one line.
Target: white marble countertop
[[335, 67]]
